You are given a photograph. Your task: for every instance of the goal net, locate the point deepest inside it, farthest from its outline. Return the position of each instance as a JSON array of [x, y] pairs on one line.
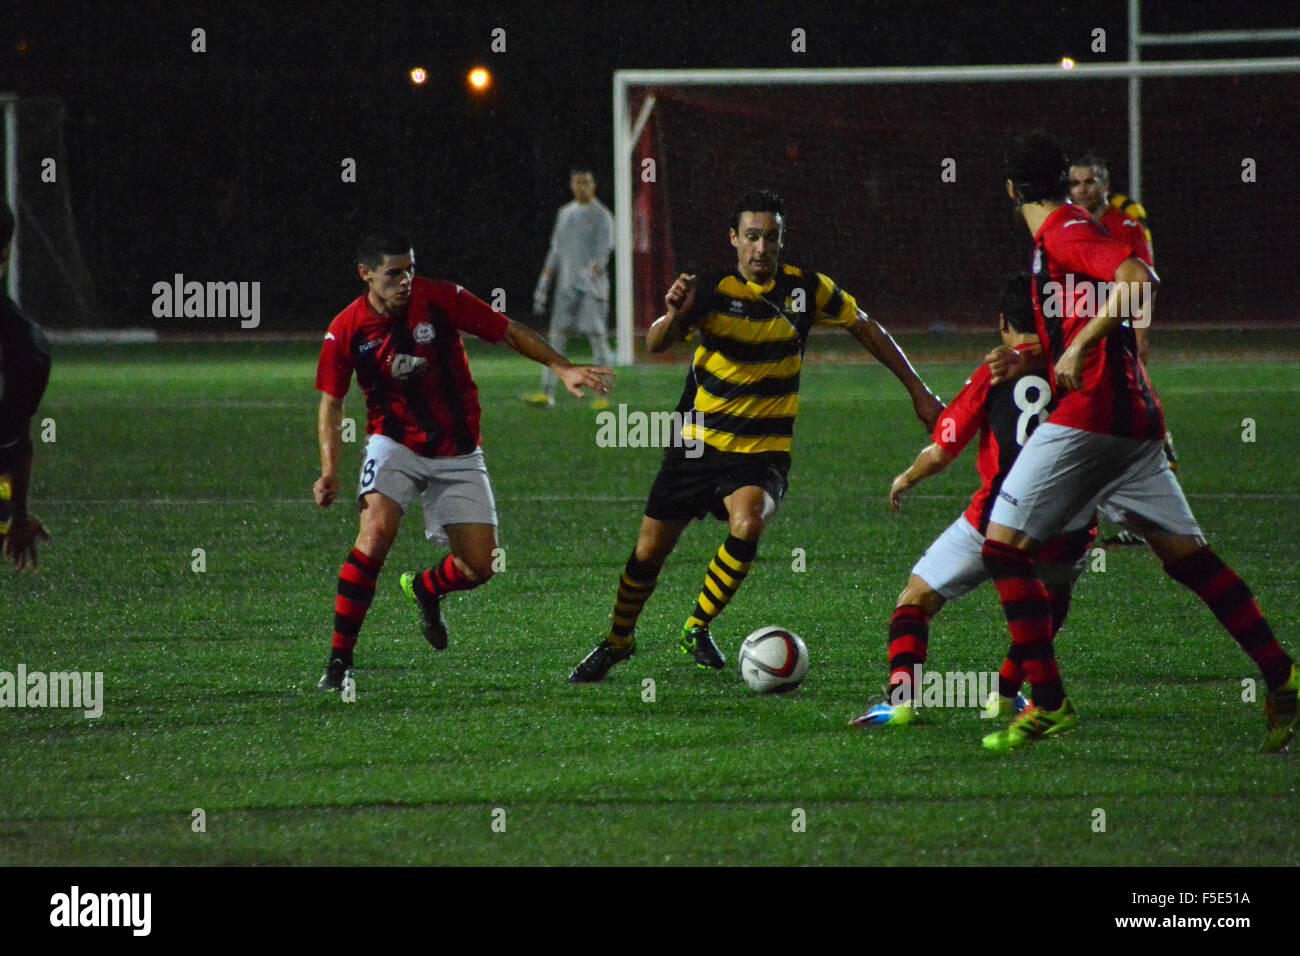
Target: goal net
[[894, 188], [47, 276]]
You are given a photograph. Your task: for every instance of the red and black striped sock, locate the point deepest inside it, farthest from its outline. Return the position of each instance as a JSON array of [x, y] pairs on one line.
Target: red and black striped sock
[[1232, 603], [1029, 617], [1012, 676], [440, 581], [909, 641], [355, 592]]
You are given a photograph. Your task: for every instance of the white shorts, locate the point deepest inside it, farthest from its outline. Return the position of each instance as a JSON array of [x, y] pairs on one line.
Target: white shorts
[[577, 311], [952, 565], [453, 490], [1065, 472]]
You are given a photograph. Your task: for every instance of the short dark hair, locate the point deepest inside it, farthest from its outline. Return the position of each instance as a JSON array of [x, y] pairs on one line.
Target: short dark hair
[[579, 170], [1037, 166], [6, 224], [760, 200], [377, 243], [1016, 303], [1096, 162]]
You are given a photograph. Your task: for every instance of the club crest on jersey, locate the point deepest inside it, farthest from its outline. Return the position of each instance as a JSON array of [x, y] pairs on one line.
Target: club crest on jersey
[[423, 333]]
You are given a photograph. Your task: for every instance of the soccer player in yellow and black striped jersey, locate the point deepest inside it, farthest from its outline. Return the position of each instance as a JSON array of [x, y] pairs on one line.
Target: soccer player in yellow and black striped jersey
[[749, 326]]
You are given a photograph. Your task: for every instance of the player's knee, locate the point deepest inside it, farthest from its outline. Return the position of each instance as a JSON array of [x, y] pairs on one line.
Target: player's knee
[[478, 568], [376, 538], [921, 595], [747, 526]]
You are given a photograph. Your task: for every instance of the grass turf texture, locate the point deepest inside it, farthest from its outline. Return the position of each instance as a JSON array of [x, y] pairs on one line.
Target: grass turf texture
[[209, 677]]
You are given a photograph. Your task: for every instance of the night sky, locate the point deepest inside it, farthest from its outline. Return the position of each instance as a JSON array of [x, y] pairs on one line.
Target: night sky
[[226, 164]]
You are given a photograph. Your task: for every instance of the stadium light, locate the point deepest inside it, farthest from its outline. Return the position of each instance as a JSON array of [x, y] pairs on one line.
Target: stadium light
[[418, 76], [1067, 63], [479, 79]]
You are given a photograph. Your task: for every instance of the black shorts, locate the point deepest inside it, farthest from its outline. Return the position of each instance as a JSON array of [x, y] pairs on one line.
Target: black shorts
[[688, 488]]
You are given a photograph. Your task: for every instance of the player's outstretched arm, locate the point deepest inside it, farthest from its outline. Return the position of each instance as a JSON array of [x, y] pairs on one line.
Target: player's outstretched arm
[[531, 345], [886, 351], [667, 329], [932, 460], [329, 423]]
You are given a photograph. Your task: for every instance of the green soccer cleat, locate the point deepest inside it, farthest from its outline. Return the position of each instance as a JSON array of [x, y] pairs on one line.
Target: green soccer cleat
[[1281, 712], [1004, 707], [1034, 723], [433, 626], [697, 642], [596, 665]]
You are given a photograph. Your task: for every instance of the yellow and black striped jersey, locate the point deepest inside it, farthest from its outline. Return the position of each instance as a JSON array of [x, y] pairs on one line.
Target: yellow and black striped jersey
[[742, 391]]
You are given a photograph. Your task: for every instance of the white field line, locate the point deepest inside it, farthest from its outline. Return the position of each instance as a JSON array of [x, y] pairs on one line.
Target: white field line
[[306, 500]]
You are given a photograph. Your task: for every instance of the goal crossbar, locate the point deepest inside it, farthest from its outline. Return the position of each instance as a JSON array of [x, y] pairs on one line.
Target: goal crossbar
[[625, 142]]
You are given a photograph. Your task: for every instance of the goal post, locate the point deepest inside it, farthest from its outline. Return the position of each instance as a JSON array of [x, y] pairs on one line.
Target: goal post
[[47, 274], [861, 156]]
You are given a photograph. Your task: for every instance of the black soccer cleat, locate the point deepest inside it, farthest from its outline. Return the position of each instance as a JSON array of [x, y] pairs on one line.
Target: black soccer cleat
[[698, 643], [595, 666], [336, 672], [434, 627]]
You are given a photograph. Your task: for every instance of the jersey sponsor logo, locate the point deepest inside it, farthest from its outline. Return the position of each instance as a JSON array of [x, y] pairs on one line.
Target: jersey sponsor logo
[[423, 333], [403, 367], [736, 307], [1006, 497], [370, 346]]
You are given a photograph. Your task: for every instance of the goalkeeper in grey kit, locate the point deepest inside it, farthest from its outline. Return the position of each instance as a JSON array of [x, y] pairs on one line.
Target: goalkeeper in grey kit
[[577, 268]]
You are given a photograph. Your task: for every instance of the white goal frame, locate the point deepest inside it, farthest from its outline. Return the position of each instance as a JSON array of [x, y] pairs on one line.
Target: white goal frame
[[626, 133]]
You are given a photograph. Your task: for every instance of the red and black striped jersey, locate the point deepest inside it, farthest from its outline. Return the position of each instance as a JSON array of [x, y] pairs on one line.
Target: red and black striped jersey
[[1074, 262], [1004, 415], [412, 369], [1129, 230]]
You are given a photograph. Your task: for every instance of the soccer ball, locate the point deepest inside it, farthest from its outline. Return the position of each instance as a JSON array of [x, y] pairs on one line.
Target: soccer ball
[[773, 660]]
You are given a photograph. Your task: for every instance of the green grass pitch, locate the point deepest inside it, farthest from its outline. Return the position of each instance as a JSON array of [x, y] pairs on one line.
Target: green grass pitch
[[209, 678]]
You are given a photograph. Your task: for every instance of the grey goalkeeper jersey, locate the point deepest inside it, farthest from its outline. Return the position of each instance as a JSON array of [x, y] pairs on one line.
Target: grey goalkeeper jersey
[[583, 237]]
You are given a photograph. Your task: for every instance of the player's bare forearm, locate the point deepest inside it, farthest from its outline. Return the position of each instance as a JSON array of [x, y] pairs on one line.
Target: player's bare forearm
[[886, 351], [329, 424], [1133, 292], [882, 346], [678, 301], [531, 345], [662, 334], [932, 460], [1005, 363]]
